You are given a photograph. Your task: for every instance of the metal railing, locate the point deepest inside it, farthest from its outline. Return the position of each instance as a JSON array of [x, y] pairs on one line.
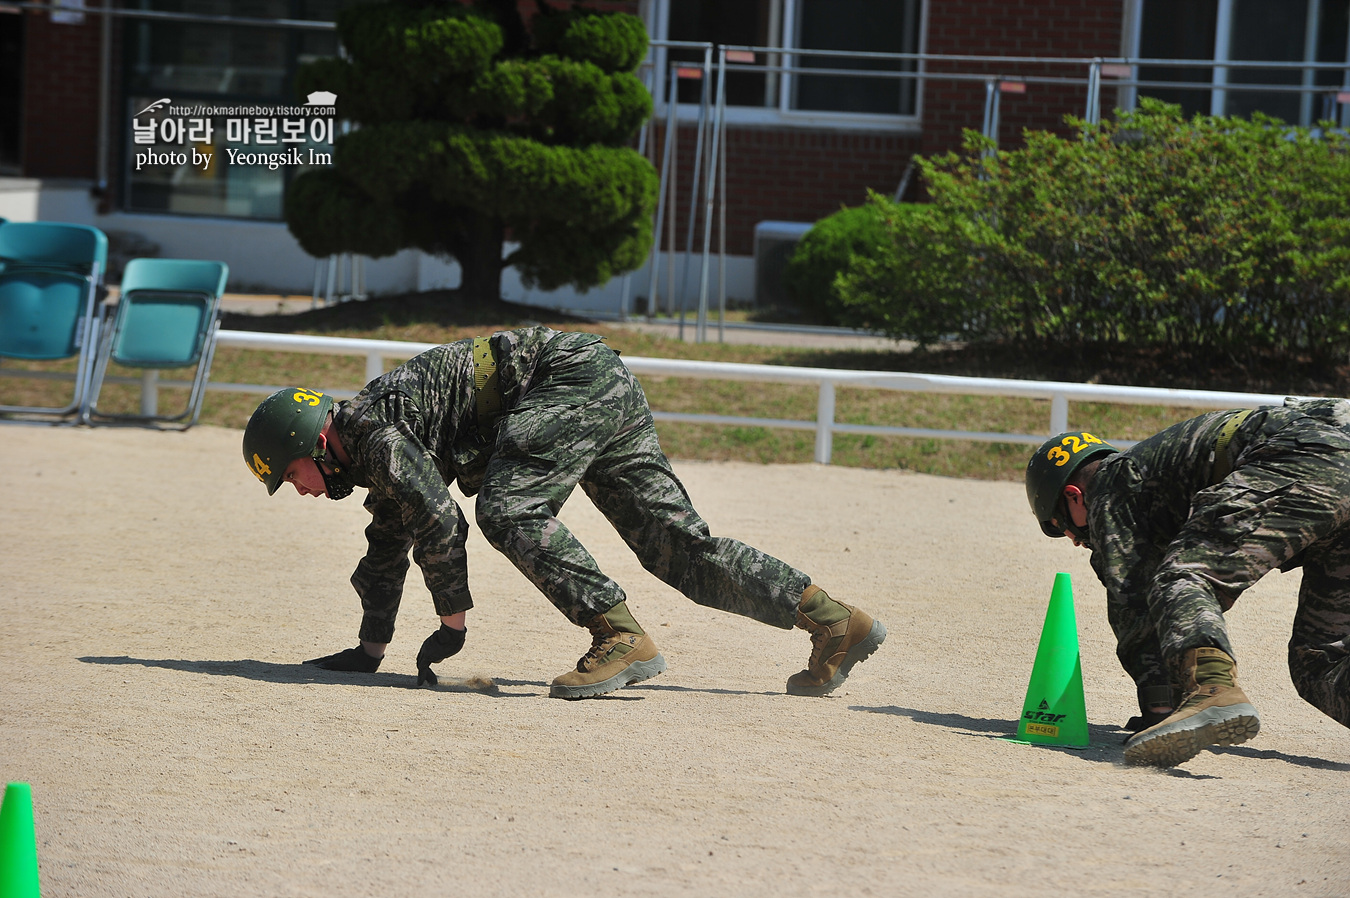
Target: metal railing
[[826, 380]]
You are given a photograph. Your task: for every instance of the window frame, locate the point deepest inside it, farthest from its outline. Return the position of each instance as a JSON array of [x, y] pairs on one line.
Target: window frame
[[1221, 60], [656, 14]]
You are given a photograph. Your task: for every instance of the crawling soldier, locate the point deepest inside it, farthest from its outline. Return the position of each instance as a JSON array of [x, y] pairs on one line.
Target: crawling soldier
[[1179, 526], [520, 418]]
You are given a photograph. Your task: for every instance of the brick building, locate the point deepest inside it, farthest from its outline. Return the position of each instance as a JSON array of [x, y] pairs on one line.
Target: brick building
[[803, 134]]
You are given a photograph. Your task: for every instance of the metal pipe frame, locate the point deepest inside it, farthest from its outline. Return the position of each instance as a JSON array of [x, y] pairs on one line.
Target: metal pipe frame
[[705, 95], [156, 15]]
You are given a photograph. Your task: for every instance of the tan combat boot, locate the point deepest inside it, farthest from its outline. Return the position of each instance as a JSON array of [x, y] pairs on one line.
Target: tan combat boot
[[1214, 712], [841, 636], [621, 653]]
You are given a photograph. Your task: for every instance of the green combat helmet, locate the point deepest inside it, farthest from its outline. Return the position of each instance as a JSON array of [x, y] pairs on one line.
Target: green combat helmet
[[1053, 466], [283, 428]]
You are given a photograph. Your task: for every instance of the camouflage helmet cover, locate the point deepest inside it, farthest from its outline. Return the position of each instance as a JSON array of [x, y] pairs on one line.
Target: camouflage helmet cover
[[1053, 466], [284, 427]]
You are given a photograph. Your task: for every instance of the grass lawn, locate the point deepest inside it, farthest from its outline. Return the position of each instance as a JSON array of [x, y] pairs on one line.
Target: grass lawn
[[439, 317]]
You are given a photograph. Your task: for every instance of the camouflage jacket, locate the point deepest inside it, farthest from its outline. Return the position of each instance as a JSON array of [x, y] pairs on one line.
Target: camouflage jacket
[[1138, 501], [410, 434]]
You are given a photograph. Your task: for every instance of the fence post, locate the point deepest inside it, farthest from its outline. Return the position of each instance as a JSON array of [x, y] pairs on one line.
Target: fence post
[[150, 392], [374, 366], [1093, 114], [825, 422], [1059, 413]]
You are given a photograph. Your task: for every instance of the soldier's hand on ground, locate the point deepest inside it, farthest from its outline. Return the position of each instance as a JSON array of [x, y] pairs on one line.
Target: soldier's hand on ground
[[350, 660], [438, 646]]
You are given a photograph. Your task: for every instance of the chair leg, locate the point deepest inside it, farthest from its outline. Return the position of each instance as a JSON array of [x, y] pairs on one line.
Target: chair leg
[[198, 395], [95, 370]]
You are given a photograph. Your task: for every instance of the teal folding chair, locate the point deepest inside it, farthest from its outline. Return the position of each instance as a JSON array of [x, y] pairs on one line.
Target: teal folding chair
[[167, 317], [49, 291]]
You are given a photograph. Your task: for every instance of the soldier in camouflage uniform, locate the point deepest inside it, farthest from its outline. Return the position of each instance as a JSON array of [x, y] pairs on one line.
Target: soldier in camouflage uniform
[[519, 419], [1179, 525]]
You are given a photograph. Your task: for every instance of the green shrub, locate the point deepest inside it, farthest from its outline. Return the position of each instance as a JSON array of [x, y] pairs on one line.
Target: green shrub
[[917, 283], [1214, 232], [897, 268], [1217, 234], [824, 252]]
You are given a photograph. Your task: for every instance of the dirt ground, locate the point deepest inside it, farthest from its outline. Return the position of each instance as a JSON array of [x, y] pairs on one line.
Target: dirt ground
[[158, 605]]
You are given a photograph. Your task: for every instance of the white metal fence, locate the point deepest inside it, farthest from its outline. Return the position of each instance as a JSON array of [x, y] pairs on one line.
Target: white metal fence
[[826, 380]]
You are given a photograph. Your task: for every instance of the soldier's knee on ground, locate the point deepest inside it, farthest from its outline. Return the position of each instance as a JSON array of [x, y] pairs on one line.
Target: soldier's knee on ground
[[1321, 676]]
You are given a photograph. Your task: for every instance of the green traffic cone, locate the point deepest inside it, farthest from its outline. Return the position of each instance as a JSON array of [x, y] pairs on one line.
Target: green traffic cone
[[18, 846], [1054, 712]]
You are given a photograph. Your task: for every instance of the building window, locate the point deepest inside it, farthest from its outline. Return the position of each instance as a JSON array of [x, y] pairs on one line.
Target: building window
[[1236, 31], [196, 64], [783, 33], [11, 91]]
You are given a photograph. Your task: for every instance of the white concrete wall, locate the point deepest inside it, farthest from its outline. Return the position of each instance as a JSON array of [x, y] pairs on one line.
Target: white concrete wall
[[605, 301], [265, 258], [19, 199]]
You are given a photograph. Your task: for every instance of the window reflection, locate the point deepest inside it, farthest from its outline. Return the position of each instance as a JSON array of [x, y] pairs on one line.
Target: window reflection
[[1234, 31], [869, 26], [214, 64]]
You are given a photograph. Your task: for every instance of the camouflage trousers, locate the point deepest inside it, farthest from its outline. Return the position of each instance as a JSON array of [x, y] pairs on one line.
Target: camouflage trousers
[[585, 420], [1288, 501]]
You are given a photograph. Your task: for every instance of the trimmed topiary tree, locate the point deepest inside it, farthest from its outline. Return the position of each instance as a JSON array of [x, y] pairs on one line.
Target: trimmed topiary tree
[[472, 130]]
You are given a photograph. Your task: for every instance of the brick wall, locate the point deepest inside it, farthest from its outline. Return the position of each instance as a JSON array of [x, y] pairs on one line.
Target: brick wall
[[60, 117], [530, 8], [61, 84], [773, 173], [801, 175], [782, 174], [1033, 28]]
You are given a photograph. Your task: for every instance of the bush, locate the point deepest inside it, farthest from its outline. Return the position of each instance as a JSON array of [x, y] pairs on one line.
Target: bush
[[824, 252], [916, 284], [884, 266], [1214, 233]]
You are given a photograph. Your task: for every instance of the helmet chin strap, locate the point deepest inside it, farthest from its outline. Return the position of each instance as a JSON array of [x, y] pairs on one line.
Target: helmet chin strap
[[337, 484], [1078, 533], [1064, 520]]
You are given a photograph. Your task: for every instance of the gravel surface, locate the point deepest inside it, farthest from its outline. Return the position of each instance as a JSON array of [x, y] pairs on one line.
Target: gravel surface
[[159, 603]]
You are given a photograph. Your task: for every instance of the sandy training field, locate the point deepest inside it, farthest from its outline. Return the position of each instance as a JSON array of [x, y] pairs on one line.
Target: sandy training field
[[157, 605]]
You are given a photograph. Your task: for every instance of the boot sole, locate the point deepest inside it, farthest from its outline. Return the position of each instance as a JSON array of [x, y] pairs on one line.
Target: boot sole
[[1231, 725], [633, 673], [860, 652]]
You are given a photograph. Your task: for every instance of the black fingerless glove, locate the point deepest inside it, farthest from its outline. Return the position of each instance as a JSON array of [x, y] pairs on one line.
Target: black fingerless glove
[[438, 646], [1144, 721], [351, 660], [1148, 697]]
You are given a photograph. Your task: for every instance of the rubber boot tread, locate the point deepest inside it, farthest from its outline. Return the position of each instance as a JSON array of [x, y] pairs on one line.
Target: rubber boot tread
[[633, 673], [1229, 725]]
